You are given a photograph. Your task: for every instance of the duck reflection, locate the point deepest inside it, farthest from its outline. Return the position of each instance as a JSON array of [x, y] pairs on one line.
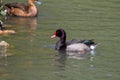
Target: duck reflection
[[3, 53], [30, 23], [62, 56], [80, 55], [60, 59]]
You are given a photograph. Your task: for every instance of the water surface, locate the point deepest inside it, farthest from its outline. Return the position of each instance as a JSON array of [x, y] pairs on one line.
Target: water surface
[[31, 55]]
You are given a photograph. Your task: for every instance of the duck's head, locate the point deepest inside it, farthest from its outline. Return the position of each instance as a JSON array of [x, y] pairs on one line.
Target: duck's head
[[59, 33], [36, 1], [61, 44]]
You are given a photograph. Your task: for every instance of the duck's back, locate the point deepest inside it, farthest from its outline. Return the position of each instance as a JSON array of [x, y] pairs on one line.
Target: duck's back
[[78, 47], [22, 6], [73, 41]]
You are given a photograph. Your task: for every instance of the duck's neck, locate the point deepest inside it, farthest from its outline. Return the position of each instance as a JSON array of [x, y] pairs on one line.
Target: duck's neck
[[32, 9], [61, 44], [63, 37], [63, 40], [30, 2]]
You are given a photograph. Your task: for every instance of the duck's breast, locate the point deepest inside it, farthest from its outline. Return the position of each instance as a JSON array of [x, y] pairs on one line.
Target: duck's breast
[[77, 47]]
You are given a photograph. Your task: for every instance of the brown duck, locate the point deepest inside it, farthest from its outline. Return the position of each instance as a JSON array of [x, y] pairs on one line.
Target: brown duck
[[21, 9]]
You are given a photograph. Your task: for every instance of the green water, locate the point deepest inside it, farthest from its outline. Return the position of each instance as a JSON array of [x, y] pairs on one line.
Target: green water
[[31, 55]]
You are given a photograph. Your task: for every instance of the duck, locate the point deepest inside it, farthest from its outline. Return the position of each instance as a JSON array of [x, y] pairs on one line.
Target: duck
[[72, 45], [3, 31], [21, 9]]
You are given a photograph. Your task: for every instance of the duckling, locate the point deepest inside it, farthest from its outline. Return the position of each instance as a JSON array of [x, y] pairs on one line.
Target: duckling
[[22, 9], [3, 31]]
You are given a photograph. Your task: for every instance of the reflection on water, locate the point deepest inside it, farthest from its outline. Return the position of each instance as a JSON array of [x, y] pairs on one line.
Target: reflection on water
[[32, 62], [3, 53], [3, 56], [59, 64], [62, 56], [60, 59], [72, 63], [31, 22], [3, 61], [80, 55]]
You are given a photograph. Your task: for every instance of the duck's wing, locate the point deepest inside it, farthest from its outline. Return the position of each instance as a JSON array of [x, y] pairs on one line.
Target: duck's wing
[[73, 41], [87, 42], [22, 6]]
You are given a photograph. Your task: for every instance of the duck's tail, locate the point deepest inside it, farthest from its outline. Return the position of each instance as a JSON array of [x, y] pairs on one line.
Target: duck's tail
[[88, 42]]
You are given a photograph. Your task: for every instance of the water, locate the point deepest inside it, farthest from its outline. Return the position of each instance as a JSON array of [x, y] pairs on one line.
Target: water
[[31, 54]]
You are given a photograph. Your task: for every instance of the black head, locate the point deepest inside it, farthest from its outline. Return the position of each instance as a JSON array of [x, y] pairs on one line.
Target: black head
[[61, 44], [59, 33]]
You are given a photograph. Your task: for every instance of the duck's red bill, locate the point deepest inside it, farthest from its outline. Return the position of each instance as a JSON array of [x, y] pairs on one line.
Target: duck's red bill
[[54, 35]]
